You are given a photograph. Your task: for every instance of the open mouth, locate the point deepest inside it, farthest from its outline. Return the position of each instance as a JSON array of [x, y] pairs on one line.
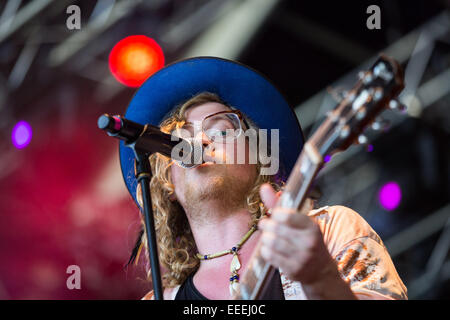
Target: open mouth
[[205, 164]]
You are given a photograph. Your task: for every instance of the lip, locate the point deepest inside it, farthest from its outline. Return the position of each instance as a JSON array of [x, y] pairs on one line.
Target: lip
[[205, 164]]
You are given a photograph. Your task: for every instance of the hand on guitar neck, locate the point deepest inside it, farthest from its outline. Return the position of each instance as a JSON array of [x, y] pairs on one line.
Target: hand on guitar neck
[[294, 243]]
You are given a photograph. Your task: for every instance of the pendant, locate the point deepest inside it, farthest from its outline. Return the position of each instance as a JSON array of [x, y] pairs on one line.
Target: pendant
[[234, 279], [235, 264], [234, 286]]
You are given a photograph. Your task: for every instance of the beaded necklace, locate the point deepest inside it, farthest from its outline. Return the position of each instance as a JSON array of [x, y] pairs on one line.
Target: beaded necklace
[[235, 263]]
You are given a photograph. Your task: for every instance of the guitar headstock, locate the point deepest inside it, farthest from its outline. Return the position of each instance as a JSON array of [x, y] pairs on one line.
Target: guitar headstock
[[376, 90]]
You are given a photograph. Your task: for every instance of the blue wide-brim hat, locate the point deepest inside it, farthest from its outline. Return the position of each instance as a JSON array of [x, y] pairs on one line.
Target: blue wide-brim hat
[[238, 85]]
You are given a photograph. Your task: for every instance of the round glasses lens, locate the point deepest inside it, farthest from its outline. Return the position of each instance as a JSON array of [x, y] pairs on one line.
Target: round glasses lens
[[222, 127]]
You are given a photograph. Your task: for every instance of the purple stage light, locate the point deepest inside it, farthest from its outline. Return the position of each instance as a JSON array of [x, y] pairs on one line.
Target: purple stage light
[[390, 195], [21, 134], [326, 158]]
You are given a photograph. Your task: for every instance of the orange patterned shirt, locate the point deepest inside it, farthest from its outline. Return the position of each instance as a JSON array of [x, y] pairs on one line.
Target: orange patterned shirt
[[361, 257]]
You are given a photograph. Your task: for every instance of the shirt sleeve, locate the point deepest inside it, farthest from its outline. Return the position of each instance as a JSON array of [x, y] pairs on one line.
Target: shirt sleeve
[[361, 257], [149, 296], [367, 267]]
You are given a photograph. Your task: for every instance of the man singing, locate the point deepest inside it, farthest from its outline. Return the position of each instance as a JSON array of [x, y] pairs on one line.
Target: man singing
[[209, 218]]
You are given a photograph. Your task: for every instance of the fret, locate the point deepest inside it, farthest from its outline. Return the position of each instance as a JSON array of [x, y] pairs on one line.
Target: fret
[[301, 178]]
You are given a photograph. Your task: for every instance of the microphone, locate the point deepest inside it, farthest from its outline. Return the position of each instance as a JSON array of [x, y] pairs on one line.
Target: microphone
[[150, 139]]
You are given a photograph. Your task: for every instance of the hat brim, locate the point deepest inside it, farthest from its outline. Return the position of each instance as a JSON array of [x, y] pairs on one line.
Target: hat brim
[[238, 85]]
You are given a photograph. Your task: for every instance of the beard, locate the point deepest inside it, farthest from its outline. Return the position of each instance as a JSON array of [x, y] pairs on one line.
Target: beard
[[218, 184]]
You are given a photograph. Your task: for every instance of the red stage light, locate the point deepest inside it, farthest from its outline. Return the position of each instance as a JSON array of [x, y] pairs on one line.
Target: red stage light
[[134, 59]]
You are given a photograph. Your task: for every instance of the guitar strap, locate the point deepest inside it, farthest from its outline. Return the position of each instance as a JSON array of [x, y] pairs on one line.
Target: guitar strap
[[275, 288]]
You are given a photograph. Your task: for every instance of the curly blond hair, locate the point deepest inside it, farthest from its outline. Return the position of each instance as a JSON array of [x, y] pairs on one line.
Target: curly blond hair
[[176, 245]]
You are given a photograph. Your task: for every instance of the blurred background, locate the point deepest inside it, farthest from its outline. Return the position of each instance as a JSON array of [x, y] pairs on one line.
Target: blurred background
[[62, 198]]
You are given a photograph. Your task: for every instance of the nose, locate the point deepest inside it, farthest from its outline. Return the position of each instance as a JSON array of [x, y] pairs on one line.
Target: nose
[[208, 147], [202, 138]]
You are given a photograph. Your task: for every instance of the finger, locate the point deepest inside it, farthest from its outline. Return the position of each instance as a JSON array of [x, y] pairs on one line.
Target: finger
[[275, 258], [296, 237], [268, 195], [291, 218], [278, 244], [279, 229]]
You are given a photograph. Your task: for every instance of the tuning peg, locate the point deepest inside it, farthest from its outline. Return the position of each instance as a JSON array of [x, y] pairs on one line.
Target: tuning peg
[[380, 125], [368, 78], [378, 94], [379, 69], [365, 76], [362, 139], [394, 104], [338, 94], [345, 132], [361, 113]]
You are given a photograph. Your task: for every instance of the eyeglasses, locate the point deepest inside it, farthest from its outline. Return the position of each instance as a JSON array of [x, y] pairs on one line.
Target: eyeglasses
[[223, 126]]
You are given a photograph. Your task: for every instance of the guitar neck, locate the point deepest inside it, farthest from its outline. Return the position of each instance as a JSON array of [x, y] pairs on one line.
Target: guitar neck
[[376, 88], [258, 272]]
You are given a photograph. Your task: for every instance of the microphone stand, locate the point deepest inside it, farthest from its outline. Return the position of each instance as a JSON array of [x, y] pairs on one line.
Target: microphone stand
[[143, 176], [149, 141]]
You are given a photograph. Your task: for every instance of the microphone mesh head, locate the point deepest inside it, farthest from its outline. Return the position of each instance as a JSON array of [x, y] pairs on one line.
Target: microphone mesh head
[[193, 157]]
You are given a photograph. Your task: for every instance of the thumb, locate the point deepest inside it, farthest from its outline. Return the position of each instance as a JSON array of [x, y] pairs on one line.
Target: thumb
[[268, 195]]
